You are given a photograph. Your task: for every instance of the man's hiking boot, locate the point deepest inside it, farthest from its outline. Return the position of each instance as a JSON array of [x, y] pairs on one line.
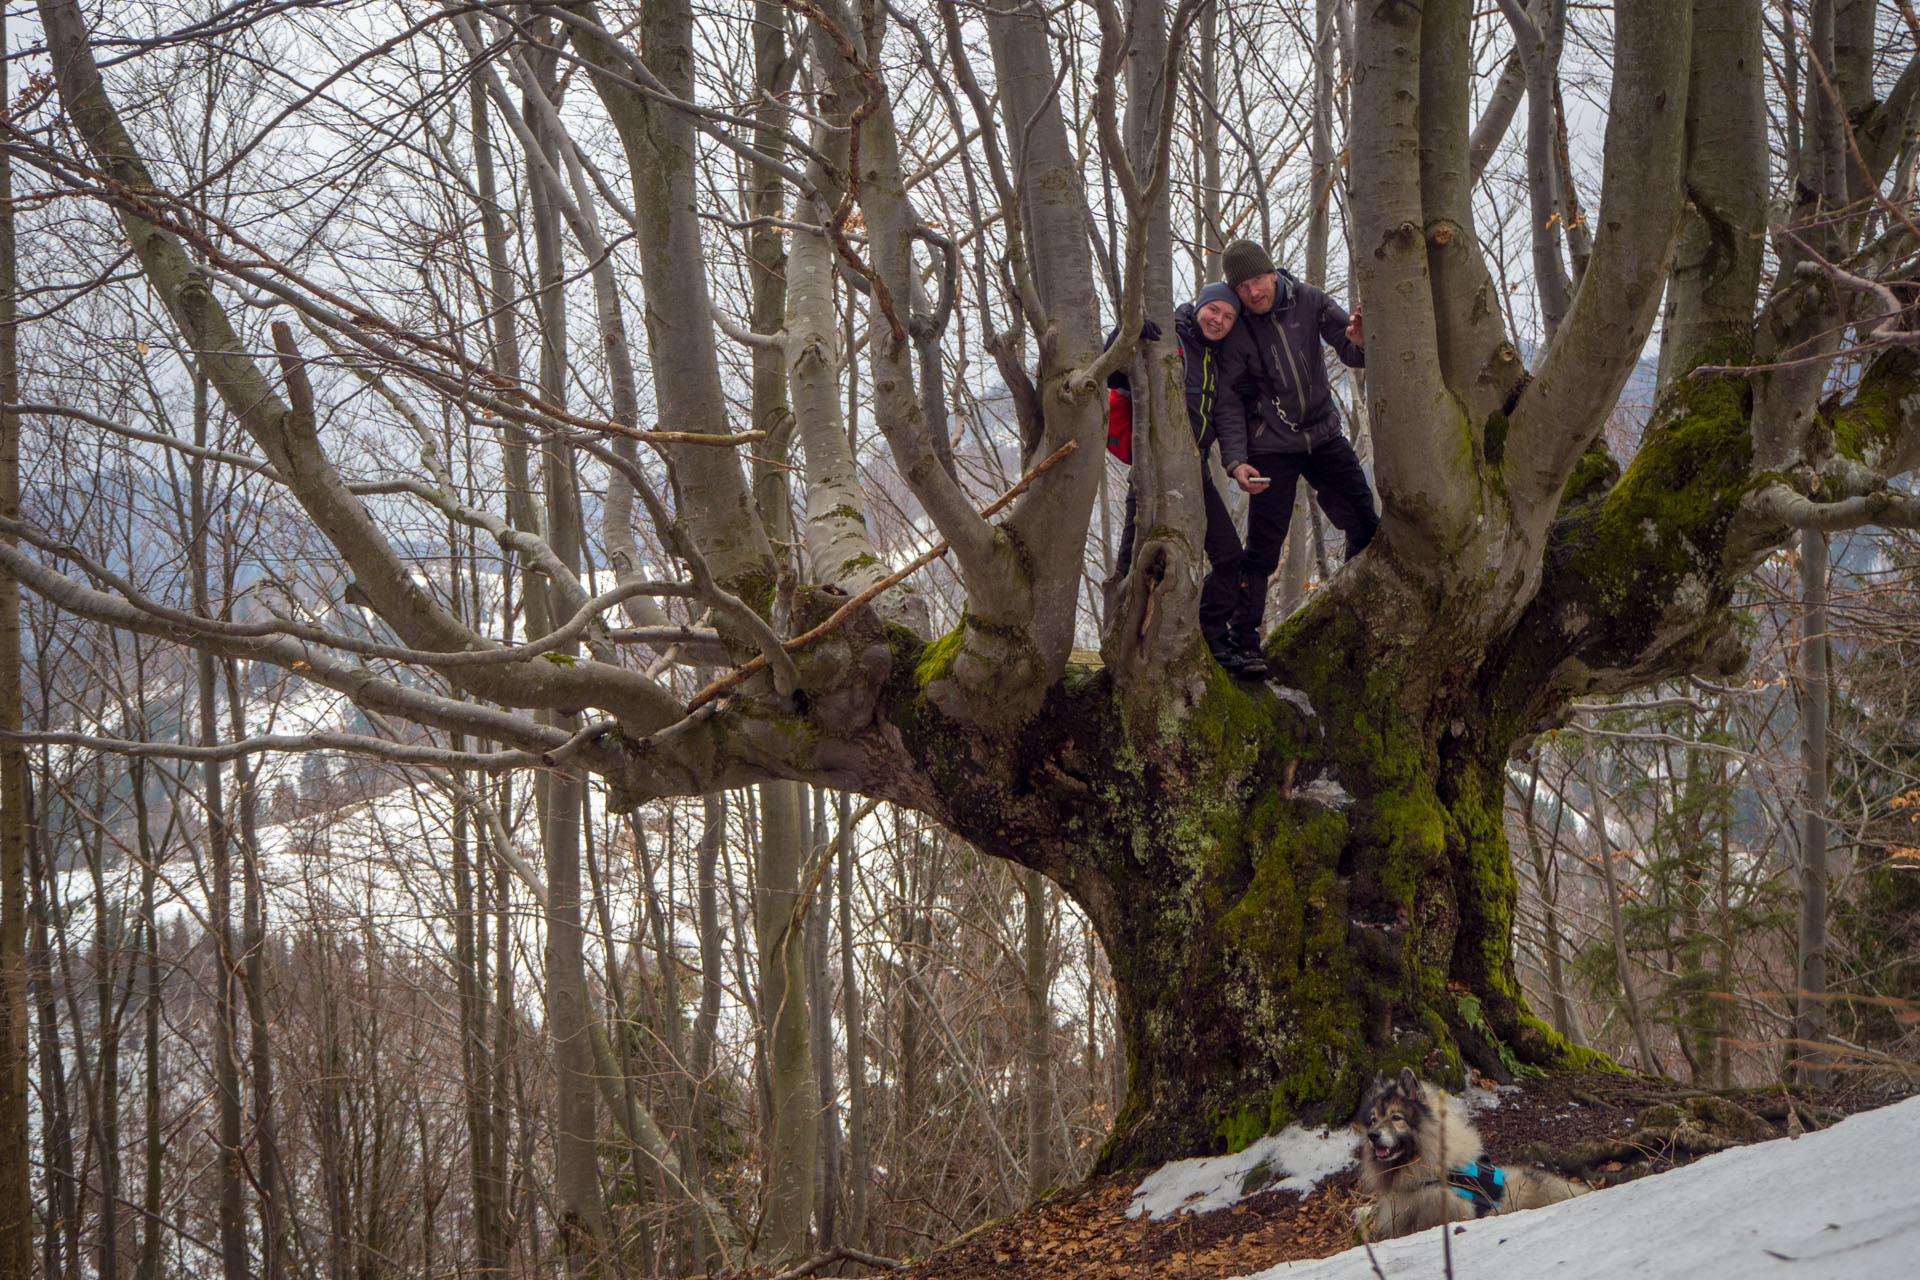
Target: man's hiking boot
[[1242, 664]]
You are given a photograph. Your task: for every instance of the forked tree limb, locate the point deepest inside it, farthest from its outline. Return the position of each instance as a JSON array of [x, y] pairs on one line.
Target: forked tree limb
[[733, 680]]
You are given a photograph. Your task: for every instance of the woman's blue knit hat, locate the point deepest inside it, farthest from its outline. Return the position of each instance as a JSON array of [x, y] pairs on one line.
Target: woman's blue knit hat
[[1217, 292]]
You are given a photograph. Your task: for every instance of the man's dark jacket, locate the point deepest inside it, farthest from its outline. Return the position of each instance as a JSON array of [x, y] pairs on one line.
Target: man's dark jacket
[[1274, 379]]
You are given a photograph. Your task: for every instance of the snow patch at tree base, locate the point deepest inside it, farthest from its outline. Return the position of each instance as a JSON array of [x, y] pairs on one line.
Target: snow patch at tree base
[[1292, 1160]]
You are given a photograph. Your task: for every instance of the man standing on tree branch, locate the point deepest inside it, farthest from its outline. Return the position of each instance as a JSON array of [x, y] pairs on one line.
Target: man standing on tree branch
[[1279, 423]]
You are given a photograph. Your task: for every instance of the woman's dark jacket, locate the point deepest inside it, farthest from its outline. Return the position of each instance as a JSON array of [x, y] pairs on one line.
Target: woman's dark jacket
[[1203, 365], [1204, 384]]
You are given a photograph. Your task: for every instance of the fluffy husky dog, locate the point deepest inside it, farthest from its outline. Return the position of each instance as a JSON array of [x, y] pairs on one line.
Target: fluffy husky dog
[[1424, 1165]]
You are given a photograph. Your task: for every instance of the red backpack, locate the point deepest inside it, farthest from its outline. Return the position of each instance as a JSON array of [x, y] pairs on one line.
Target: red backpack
[[1120, 425]]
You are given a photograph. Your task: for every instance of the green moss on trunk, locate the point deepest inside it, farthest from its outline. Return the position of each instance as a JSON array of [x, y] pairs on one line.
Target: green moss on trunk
[[1292, 901], [1275, 892]]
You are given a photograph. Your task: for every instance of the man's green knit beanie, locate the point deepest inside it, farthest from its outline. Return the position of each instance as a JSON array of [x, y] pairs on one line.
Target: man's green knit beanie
[[1243, 260]]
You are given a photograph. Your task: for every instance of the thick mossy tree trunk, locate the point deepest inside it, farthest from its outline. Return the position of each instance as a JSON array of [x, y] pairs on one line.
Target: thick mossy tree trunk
[[1301, 882], [1295, 884]]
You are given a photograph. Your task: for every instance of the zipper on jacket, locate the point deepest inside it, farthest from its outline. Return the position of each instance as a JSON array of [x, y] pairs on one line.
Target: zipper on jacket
[[1299, 383], [1206, 399], [1284, 366]]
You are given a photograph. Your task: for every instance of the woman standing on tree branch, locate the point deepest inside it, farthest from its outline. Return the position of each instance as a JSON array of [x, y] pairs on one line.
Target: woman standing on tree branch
[[1201, 327]]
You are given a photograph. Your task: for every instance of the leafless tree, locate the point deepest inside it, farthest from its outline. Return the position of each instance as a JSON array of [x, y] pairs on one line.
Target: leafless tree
[[1291, 884]]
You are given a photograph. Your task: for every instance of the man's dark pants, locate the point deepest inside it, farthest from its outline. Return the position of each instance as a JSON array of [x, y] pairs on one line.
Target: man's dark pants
[[1221, 590], [1333, 469]]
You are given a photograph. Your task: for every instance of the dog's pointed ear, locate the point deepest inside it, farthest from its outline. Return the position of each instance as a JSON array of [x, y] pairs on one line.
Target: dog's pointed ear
[[1410, 1082]]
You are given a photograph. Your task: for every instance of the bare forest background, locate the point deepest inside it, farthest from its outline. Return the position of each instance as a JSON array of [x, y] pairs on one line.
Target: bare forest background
[[294, 1003]]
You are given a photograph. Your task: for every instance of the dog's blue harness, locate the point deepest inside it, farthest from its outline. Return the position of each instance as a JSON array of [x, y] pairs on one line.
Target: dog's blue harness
[[1480, 1184]]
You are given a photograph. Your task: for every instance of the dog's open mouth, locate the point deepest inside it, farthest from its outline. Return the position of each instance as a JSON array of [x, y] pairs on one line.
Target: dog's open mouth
[[1383, 1153]]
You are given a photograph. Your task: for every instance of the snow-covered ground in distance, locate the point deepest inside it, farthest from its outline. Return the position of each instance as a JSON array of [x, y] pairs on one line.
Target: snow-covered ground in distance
[[1294, 1159], [1839, 1204]]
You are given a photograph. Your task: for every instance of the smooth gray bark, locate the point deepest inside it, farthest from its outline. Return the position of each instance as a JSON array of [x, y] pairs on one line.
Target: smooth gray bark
[[1426, 486], [235, 1254], [576, 1164], [263, 1121], [840, 49], [1037, 953], [1491, 128], [839, 545], [147, 1263], [1810, 992], [1297, 568], [1159, 605], [1060, 312], [1637, 221], [580, 1211], [484, 1067], [779, 926], [1320, 140], [469, 955], [853, 1020], [830, 1156], [712, 492], [1209, 231], [1535, 34], [1717, 261]]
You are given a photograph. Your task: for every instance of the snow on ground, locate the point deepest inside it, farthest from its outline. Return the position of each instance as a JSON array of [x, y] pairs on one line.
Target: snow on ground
[[1840, 1204], [1291, 1160]]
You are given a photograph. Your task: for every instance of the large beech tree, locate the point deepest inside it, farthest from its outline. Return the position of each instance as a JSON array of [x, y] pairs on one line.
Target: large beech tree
[[1297, 883]]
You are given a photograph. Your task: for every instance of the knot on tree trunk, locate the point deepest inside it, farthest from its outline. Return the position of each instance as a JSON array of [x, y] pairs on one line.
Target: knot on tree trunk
[[1153, 627]]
